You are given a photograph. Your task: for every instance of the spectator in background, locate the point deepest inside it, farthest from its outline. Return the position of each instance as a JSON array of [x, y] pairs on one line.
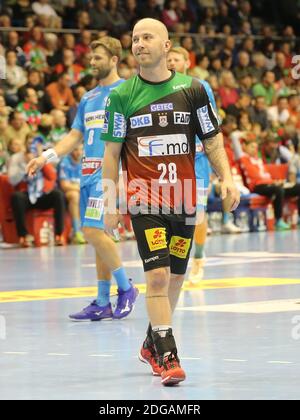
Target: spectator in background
[[187, 42], [228, 91], [259, 66], [20, 11], [279, 114], [83, 20], [3, 147], [99, 16], [200, 70], [69, 180], [35, 82], [131, 12], [258, 113], [242, 104], [272, 151], [294, 167], [125, 40], [79, 91], [60, 94], [243, 65], [117, 20], [15, 78], [36, 192], [42, 139], [83, 46], [29, 109], [245, 85], [266, 88], [169, 14], [150, 8], [51, 50], [17, 128], [34, 49], [13, 44], [280, 66], [14, 146], [59, 124], [260, 181], [4, 109], [69, 67]]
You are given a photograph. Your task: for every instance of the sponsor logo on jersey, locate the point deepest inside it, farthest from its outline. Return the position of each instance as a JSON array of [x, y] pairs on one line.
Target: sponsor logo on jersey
[[156, 238], [163, 120], [179, 246], [119, 129], [94, 119], [161, 107], [106, 121], [90, 165], [94, 208], [182, 118], [144, 120], [204, 120], [164, 145], [176, 87]]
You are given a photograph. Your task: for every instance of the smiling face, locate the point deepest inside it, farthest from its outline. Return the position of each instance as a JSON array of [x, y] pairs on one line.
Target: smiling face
[[150, 43]]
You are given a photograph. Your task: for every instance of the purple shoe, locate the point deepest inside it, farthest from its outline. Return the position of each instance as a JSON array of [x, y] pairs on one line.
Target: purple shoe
[[93, 312], [125, 302]]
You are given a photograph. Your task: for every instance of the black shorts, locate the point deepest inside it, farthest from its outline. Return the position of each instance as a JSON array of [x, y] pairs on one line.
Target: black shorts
[[163, 242]]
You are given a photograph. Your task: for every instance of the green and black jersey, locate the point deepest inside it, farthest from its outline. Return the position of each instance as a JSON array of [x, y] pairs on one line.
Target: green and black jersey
[[157, 124]]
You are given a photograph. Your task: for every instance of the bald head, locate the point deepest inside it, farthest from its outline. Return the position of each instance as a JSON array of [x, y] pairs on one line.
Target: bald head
[[152, 25]]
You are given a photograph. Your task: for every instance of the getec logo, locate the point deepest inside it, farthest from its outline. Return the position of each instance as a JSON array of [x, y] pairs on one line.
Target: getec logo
[[204, 120], [182, 118], [164, 145], [144, 120], [119, 129], [161, 107]]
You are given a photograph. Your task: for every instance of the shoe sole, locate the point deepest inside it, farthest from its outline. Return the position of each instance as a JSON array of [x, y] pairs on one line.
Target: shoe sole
[[90, 320], [147, 363], [171, 380]]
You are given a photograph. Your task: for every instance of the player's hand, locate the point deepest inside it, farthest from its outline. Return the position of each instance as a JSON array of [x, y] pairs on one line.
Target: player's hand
[[231, 194], [111, 221], [35, 165]]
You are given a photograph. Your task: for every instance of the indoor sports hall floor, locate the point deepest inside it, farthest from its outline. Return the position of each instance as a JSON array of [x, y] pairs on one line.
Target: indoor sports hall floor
[[238, 334]]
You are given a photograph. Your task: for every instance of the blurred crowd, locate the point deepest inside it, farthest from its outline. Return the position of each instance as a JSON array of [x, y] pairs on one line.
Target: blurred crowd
[[246, 50]]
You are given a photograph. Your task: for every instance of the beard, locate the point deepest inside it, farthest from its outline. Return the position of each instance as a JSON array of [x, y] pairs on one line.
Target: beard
[[102, 73]]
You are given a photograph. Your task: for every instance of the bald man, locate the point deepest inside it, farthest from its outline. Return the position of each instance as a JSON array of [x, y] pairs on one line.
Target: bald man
[[151, 122]]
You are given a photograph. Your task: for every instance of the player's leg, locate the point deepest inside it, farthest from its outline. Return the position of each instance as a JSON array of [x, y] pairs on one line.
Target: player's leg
[[200, 236], [107, 261], [73, 198]]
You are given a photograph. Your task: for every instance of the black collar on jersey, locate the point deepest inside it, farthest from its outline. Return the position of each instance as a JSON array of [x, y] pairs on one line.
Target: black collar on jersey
[[158, 83]]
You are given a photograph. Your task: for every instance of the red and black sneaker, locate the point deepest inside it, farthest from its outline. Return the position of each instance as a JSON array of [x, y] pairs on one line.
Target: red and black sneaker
[[148, 355], [172, 372]]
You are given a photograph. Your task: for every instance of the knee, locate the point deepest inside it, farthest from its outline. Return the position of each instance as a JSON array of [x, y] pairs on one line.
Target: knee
[[92, 235], [176, 281], [158, 279]]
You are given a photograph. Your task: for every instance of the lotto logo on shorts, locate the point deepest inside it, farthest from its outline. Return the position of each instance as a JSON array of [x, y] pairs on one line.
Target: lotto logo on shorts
[[204, 120], [94, 209], [156, 238], [179, 246]]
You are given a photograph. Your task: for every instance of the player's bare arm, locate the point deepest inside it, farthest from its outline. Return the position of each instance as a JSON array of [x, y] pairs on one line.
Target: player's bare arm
[[64, 147], [214, 148], [110, 173]]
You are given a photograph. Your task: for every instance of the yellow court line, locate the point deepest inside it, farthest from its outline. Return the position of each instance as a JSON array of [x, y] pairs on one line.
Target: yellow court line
[[81, 292]]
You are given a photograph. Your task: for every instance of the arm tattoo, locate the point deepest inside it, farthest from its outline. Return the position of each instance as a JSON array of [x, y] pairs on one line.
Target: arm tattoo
[[214, 148]]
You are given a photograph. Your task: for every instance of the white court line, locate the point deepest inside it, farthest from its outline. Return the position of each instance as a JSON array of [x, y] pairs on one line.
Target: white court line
[[235, 360], [58, 354], [191, 358], [100, 355], [15, 352], [280, 362]]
